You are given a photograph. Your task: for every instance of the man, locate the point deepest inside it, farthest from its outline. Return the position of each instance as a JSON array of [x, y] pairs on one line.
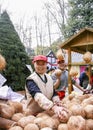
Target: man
[[61, 82], [84, 78], [85, 82], [39, 90]]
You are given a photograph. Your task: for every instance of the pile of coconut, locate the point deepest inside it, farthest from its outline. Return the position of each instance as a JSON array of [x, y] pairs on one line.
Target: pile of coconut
[[15, 116]]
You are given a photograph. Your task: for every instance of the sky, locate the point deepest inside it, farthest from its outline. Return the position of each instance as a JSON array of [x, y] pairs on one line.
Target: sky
[[22, 9]]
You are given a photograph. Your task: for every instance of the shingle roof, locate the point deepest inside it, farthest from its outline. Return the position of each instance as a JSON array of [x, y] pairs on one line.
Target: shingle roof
[[80, 42]]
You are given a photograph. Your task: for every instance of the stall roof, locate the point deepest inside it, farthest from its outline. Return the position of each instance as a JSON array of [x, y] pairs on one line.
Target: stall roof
[[80, 42]]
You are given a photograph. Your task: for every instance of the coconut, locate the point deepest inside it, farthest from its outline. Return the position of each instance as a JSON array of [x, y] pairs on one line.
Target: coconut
[[73, 72], [17, 116], [2, 62], [6, 111], [89, 124], [63, 126], [26, 120], [87, 57], [31, 126], [76, 123], [16, 128], [58, 72], [89, 111]]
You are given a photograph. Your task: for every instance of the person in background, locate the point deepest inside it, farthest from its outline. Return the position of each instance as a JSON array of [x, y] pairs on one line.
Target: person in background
[[90, 84], [91, 81], [61, 82], [91, 78], [40, 92], [84, 78]]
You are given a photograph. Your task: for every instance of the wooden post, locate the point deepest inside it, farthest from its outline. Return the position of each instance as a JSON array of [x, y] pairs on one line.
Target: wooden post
[[70, 87]]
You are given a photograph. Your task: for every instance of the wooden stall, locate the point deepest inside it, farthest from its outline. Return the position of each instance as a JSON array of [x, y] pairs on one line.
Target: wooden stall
[[80, 43]]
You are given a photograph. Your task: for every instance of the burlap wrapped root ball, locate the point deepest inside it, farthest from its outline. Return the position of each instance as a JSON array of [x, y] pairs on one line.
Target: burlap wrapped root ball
[[76, 123], [58, 72], [73, 72], [87, 57], [60, 55], [2, 62]]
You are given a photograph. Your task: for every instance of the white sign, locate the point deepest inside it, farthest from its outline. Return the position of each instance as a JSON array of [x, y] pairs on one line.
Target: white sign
[[30, 68], [2, 80]]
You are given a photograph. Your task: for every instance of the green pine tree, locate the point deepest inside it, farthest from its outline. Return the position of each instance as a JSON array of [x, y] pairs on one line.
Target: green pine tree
[[80, 16], [14, 52]]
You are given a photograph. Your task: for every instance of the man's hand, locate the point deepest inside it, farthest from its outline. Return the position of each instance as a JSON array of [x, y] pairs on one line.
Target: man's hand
[[86, 91], [60, 111]]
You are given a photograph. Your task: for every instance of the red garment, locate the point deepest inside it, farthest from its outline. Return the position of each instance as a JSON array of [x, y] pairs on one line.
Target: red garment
[[91, 81], [61, 94]]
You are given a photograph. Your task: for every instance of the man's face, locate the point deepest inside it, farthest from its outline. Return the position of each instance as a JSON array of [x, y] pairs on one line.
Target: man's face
[[40, 66], [61, 65]]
